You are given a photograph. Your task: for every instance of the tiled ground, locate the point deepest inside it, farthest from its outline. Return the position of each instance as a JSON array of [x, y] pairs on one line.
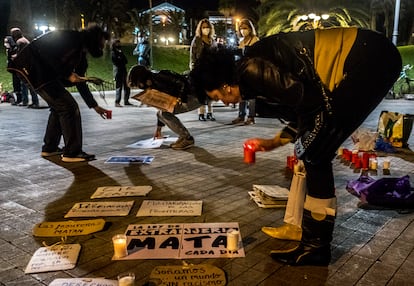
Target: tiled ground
[[370, 247]]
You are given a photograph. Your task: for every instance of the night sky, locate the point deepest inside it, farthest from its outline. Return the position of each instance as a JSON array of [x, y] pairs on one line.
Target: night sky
[[211, 5]]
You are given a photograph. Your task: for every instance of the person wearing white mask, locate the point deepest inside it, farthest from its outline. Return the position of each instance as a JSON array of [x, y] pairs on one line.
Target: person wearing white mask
[[249, 37], [203, 40]]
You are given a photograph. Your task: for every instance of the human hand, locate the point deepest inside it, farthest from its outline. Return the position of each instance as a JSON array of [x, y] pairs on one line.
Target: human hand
[[95, 80], [75, 78], [259, 144], [101, 111]]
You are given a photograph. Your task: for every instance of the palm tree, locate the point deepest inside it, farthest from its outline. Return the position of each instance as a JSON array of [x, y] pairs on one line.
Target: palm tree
[[283, 16], [139, 20], [109, 14]]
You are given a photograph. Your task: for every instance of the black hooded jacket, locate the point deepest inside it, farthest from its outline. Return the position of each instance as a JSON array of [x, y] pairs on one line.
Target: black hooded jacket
[[54, 56]]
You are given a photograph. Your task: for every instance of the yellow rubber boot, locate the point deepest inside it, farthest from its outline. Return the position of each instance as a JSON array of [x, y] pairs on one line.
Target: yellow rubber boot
[[286, 232]]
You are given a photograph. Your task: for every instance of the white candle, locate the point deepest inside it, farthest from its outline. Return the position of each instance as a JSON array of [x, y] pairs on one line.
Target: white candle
[[386, 164], [340, 151], [374, 164], [126, 281], [233, 240], [120, 247]]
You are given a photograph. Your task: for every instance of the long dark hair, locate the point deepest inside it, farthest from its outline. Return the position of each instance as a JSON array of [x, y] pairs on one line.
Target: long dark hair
[[212, 70]]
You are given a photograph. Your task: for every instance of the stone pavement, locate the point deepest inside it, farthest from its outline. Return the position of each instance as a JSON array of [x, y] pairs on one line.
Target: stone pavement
[[370, 246]]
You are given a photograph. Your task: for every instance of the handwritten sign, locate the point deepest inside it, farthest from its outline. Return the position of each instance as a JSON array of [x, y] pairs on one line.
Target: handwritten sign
[[83, 282], [180, 241], [170, 208], [94, 209], [130, 160], [68, 228], [54, 258], [116, 191], [185, 275]]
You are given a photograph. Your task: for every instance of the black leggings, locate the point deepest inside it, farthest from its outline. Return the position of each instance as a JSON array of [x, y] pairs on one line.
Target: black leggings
[[370, 70]]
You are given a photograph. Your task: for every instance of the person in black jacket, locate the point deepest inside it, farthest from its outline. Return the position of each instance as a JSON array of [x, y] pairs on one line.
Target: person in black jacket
[[119, 62], [52, 62], [324, 84]]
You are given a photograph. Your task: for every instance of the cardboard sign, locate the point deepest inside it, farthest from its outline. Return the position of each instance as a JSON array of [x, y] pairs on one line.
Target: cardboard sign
[[181, 241], [68, 228], [116, 191], [54, 258], [158, 99], [170, 208], [185, 275], [130, 160], [83, 282], [94, 209]]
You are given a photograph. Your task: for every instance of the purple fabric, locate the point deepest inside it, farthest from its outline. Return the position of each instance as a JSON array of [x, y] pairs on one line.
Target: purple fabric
[[388, 192]]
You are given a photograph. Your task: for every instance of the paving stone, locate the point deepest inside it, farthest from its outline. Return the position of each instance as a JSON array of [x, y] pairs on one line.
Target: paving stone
[[370, 246]]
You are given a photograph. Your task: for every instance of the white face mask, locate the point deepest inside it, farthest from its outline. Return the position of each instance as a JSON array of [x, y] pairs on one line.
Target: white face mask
[[205, 31], [244, 32]]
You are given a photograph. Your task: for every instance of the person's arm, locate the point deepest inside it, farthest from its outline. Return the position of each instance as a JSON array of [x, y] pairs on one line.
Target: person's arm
[[78, 78], [285, 136]]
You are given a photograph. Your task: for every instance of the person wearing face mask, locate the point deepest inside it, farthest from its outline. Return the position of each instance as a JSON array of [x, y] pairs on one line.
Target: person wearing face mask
[[119, 62], [203, 40], [249, 37], [52, 62], [142, 51]]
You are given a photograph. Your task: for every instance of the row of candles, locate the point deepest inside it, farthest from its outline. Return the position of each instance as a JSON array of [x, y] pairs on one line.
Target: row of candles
[[362, 160], [120, 250], [358, 159]]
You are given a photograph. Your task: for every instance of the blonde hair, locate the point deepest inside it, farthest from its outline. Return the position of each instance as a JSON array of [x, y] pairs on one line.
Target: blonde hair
[[248, 23], [198, 29]]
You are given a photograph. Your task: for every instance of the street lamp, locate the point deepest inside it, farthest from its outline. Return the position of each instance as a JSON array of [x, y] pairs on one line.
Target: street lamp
[[314, 19]]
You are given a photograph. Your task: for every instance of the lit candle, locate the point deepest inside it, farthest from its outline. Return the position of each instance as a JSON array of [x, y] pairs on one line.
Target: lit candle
[[340, 151], [386, 164], [374, 164], [233, 240], [120, 246], [126, 279]]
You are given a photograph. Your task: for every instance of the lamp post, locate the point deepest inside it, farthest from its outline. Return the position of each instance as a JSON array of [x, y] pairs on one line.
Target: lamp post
[[151, 38], [396, 20]]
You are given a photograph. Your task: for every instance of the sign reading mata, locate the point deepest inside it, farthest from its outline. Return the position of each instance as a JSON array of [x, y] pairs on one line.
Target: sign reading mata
[[181, 241]]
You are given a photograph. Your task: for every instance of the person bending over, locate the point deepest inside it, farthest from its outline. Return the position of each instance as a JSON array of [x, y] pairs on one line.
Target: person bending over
[[308, 79]]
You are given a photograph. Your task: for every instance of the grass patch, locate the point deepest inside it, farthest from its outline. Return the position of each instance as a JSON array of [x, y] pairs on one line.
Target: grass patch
[[163, 58]]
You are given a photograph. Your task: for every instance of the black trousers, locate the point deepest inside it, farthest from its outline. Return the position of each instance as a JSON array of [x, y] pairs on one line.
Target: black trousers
[[64, 119], [371, 68]]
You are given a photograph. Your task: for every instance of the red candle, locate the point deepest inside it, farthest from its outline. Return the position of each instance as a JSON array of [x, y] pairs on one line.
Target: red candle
[[249, 154]]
